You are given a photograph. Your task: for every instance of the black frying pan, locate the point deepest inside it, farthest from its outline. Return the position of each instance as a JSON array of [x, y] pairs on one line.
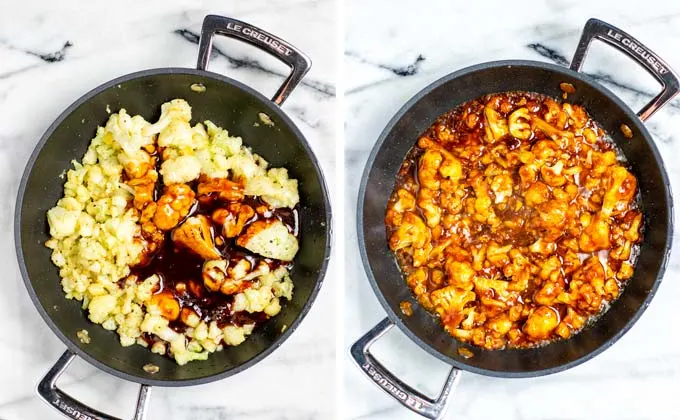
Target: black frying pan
[[401, 134], [229, 104]]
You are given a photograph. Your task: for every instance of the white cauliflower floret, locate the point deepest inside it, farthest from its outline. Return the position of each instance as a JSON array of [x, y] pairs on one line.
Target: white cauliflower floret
[[70, 203], [275, 188], [214, 158], [246, 165], [129, 325], [233, 335], [158, 347], [273, 308], [181, 170], [177, 109], [184, 354], [86, 225], [269, 287], [252, 300], [184, 357], [221, 142], [271, 239], [154, 323], [177, 134], [62, 222], [146, 289], [129, 132], [100, 307]]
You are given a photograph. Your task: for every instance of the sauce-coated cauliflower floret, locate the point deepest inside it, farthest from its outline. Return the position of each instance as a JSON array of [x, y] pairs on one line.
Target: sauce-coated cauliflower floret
[[144, 189], [411, 233], [496, 126], [269, 238], [405, 201], [595, 236], [233, 218], [231, 277], [541, 323], [449, 302], [194, 234], [166, 304], [173, 206], [621, 186], [222, 188], [428, 169], [518, 124], [427, 203], [460, 274]]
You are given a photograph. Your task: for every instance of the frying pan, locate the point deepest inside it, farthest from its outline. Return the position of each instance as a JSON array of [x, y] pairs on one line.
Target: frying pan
[[227, 103], [401, 134]]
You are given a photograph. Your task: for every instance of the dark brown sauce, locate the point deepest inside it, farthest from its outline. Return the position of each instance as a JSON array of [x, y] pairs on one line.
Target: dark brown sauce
[[176, 266]]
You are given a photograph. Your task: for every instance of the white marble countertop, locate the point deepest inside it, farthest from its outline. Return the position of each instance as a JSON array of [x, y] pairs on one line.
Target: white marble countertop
[[52, 53], [397, 47]]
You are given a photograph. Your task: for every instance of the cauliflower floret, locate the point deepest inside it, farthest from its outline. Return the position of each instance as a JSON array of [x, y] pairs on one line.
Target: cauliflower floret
[[246, 165], [268, 287], [181, 170], [195, 235], [541, 322], [178, 134], [177, 109], [496, 126], [186, 356], [271, 239], [128, 132], [518, 128], [136, 164], [221, 142], [281, 283], [275, 188], [145, 290], [233, 335], [100, 307], [62, 222]]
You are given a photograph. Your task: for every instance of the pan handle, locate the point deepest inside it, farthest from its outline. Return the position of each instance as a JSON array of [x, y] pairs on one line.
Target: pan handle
[[419, 403], [298, 62], [655, 65], [72, 408]]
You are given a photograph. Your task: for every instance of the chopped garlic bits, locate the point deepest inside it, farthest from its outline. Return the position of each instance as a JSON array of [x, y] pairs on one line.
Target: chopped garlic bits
[[514, 220], [134, 196]]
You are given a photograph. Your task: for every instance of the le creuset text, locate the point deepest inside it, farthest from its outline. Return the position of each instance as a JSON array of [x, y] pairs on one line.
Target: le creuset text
[[389, 387], [72, 411], [637, 49], [252, 33]]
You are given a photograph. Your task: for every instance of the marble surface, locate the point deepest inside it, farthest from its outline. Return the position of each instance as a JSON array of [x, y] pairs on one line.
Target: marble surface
[[393, 49], [50, 54]]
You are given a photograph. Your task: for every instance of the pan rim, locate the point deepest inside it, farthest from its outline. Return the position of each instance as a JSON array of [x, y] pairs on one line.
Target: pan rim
[[395, 318], [70, 343]]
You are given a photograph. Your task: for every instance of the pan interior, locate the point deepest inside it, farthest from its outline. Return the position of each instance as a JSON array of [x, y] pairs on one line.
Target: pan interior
[[401, 134], [228, 104]]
